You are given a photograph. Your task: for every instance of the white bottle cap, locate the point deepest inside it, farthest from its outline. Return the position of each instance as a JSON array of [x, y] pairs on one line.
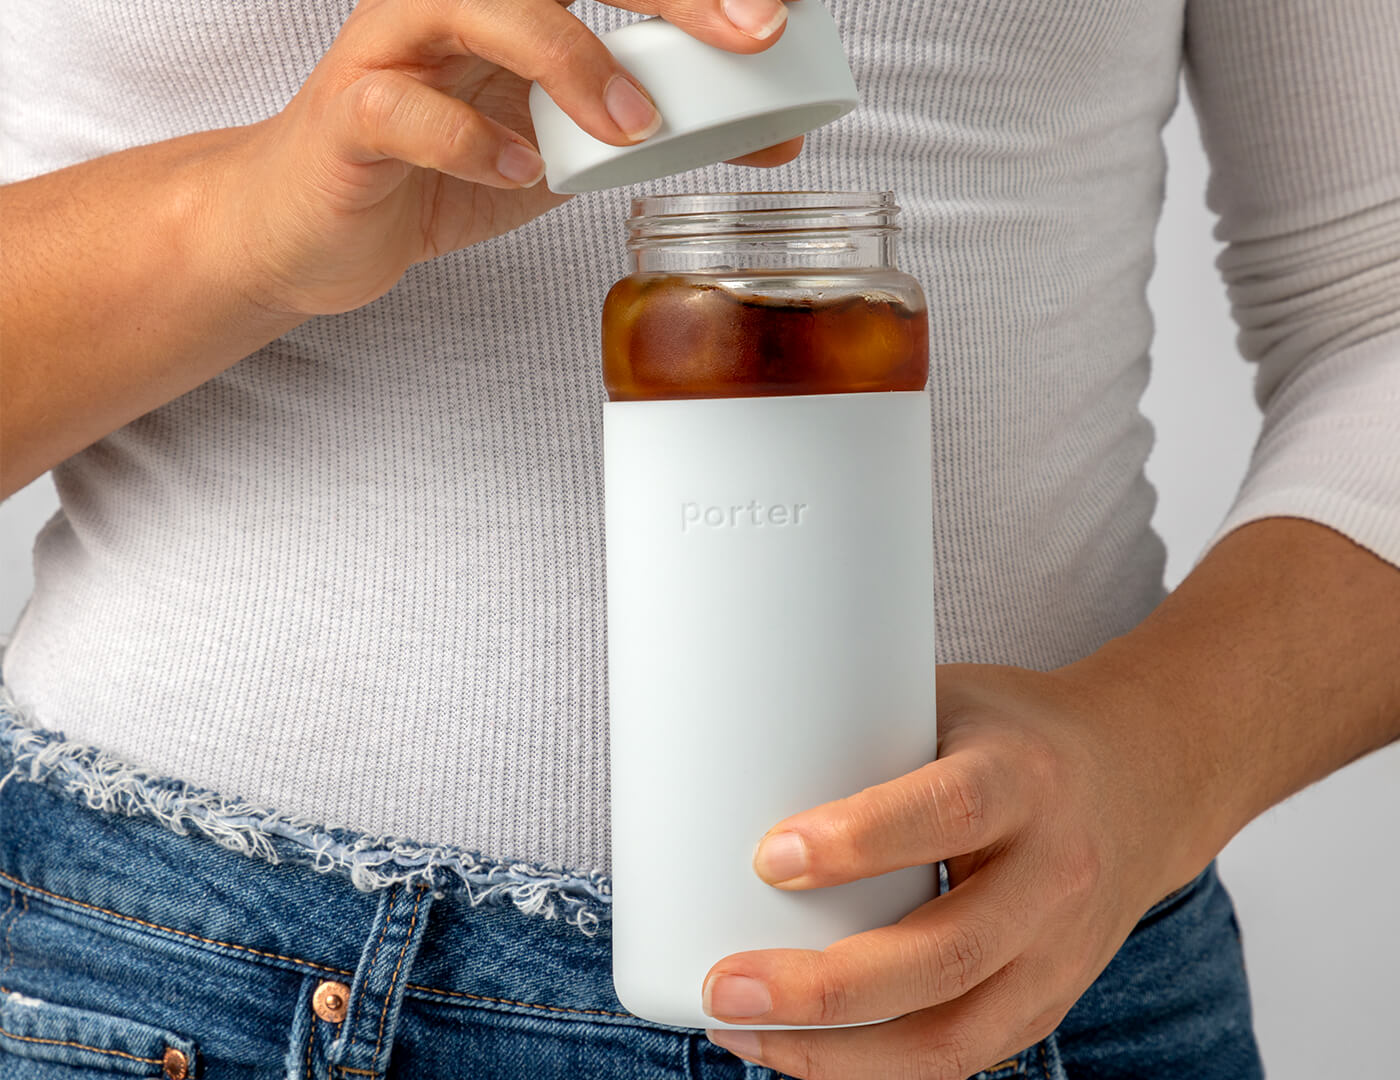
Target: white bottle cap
[[715, 105]]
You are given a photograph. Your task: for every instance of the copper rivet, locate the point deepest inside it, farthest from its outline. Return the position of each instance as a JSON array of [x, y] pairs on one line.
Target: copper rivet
[[176, 1065], [330, 999]]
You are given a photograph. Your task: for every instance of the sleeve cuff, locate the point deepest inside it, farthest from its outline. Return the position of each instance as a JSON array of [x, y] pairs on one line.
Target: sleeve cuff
[[1330, 450]]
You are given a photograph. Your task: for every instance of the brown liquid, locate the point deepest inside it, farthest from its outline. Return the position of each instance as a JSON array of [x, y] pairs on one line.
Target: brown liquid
[[684, 336]]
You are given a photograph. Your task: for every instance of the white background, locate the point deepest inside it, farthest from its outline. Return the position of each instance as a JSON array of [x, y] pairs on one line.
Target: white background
[[1317, 879]]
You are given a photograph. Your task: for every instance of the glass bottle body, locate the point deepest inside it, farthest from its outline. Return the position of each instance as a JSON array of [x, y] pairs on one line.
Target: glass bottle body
[[763, 294]]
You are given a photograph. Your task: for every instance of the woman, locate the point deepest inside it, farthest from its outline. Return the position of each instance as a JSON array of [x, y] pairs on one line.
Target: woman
[[326, 584]]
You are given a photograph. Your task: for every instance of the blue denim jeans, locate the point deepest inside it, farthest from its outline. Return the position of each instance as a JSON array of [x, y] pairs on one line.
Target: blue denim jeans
[[148, 928]]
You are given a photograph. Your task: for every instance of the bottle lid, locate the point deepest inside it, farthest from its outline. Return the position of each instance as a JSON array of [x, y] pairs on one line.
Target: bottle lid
[[714, 105]]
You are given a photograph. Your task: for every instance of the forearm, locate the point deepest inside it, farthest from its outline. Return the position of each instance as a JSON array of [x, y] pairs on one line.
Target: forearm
[[1275, 663], [1279, 657], [122, 286]]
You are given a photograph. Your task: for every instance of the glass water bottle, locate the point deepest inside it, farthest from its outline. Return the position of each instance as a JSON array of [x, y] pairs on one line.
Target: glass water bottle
[[769, 569]]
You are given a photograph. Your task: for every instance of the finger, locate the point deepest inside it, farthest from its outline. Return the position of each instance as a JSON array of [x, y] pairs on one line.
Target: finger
[[743, 26], [936, 953], [771, 156], [951, 806], [984, 1028], [536, 39], [390, 114]]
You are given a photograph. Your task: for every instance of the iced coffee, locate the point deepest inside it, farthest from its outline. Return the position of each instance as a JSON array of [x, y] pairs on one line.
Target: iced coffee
[[762, 333]]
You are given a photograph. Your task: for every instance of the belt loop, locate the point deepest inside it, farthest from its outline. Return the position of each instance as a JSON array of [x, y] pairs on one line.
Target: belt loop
[[366, 1037]]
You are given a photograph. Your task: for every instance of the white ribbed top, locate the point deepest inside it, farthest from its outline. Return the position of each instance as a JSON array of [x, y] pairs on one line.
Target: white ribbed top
[[359, 575]]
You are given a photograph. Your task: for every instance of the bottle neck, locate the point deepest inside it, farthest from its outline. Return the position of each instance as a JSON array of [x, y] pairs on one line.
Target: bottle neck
[[784, 230]]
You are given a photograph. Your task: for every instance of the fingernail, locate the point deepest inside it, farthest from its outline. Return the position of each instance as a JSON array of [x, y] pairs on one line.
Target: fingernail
[[742, 1043], [736, 995], [520, 164], [756, 18], [780, 857], [630, 109]]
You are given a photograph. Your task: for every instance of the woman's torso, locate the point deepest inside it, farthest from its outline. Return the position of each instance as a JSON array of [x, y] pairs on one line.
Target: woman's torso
[[358, 576]]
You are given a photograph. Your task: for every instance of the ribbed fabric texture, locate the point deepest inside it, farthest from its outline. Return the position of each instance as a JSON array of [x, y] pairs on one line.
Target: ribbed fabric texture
[[1301, 119], [358, 576]]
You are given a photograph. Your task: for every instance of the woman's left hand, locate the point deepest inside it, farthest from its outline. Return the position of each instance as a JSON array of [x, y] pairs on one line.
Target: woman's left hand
[[1061, 820]]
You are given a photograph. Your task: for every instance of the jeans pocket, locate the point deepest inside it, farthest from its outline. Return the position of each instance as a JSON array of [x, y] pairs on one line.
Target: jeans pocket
[[42, 1032], [498, 1044]]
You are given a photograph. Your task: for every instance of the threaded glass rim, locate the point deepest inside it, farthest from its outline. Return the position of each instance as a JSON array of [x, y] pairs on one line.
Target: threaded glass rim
[[664, 219]]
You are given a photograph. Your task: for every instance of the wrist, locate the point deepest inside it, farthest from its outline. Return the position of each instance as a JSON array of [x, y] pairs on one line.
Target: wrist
[[1269, 667], [229, 236], [1155, 736]]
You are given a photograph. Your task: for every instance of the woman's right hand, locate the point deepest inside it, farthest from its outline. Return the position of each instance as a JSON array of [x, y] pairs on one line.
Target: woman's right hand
[[129, 279], [412, 137]]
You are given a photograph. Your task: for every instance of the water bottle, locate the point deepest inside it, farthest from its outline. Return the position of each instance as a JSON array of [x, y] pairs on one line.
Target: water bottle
[[769, 559]]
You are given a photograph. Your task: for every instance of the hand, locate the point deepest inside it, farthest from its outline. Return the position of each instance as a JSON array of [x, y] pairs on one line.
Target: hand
[[1059, 831], [412, 137]]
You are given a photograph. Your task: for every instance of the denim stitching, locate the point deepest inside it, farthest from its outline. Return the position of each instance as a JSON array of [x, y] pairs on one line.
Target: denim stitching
[[106, 782], [171, 929], [355, 1007], [8, 909], [9, 945], [80, 1046], [306, 963], [1051, 1047], [310, 1042], [395, 976], [1016, 1064]]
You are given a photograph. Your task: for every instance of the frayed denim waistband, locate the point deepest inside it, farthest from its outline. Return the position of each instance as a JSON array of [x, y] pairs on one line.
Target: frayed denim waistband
[[102, 781]]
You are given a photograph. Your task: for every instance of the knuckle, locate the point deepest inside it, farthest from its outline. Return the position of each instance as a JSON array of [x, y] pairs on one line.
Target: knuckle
[[566, 47], [689, 15], [1040, 762], [1045, 1020], [1081, 869], [802, 1061], [960, 805], [957, 955], [373, 102], [950, 1054], [439, 15], [1043, 1025], [831, 997], [462, 133]]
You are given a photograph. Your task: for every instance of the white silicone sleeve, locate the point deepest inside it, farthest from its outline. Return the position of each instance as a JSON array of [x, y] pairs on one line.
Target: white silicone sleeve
[[770, 647]]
